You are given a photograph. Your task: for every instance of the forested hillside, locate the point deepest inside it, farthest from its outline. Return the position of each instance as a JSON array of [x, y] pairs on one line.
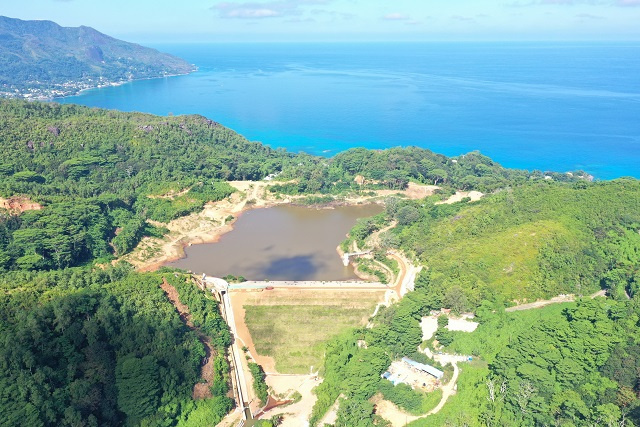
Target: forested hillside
[[43, 59], [100, 174], [361, 169], [89, 347], [88, 343], [84, 343], [526, 242], [572, 364]]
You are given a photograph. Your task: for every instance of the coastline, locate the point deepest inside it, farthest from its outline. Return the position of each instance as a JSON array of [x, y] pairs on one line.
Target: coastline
[[178, 248], [77, 92], [120, 83]]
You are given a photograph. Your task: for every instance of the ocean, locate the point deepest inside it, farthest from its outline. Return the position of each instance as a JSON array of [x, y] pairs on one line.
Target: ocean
[[545, 106]]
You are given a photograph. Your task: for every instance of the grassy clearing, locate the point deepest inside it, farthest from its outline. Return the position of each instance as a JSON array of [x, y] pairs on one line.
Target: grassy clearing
[[293, 328], [503, 263]]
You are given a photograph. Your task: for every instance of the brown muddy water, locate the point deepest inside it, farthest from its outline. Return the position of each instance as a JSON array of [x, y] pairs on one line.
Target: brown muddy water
[[280, 243]]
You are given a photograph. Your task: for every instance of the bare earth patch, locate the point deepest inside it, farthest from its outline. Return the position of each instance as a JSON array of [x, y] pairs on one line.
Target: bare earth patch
[[473, 195], [429, 326], [416, 191], [390, 412], [462, 324], [206, 226], [296, 414], [19, 204]]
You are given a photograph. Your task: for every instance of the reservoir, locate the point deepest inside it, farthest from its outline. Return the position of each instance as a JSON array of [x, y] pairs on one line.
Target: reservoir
[[280, 243]]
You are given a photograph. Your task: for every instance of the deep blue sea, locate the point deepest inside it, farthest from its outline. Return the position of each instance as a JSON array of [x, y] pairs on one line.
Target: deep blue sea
[[544, 106]]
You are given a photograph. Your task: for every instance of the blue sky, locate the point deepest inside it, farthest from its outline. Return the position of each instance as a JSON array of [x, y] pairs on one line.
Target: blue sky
[[341, 20]]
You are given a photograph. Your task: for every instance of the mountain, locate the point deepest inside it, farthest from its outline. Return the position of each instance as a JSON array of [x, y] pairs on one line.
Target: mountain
[[41, 59]]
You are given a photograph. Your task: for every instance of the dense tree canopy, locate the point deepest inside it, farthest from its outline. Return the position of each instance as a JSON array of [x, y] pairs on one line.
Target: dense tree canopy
[[101, 347], [566, 365], [100, 174], [84, 344], [536, 240]]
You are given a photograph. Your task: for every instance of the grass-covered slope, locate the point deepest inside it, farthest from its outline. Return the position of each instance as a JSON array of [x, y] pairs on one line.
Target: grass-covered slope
[[294, 327], [527, 242]]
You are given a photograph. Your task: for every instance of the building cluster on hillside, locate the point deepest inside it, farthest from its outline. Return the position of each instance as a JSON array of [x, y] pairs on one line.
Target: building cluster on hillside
[[414, 374], [37, 90]]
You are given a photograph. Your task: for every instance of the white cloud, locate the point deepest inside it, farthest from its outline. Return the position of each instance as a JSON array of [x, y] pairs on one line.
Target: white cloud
[[395, 17], [622, 3], [588, 16], [258, 10]]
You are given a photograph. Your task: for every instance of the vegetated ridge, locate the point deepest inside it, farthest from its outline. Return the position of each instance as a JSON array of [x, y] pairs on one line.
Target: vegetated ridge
[[91, 344], [41, 59], [570, 364]]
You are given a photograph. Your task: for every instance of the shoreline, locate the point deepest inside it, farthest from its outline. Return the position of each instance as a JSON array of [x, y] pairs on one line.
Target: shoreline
[[213, 235], [198, 228], [79, 92], [120, 83]]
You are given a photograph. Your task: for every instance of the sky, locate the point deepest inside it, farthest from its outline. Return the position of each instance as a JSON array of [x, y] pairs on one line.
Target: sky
[[161, 21]]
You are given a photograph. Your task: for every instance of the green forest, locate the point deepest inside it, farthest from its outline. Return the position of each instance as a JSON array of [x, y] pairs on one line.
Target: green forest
[[571, 364], [101, 174], [531, 241], [89, 347], [88, 344], [87, 341]]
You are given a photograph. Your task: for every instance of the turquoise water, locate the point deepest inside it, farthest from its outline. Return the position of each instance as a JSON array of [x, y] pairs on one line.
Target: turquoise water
[[541, 106]]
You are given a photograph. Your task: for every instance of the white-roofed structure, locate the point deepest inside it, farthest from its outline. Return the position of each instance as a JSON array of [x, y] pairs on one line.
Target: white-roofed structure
[[425, 368]]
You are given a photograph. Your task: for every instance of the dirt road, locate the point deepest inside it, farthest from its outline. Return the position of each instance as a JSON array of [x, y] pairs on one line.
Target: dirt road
[[554, 300], [473, 195], [356, 285], [244, 336], [405, 281], [200, 390], [447, 390]]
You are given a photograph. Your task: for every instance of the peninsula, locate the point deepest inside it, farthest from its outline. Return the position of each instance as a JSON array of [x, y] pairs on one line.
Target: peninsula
[[42, 60]]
